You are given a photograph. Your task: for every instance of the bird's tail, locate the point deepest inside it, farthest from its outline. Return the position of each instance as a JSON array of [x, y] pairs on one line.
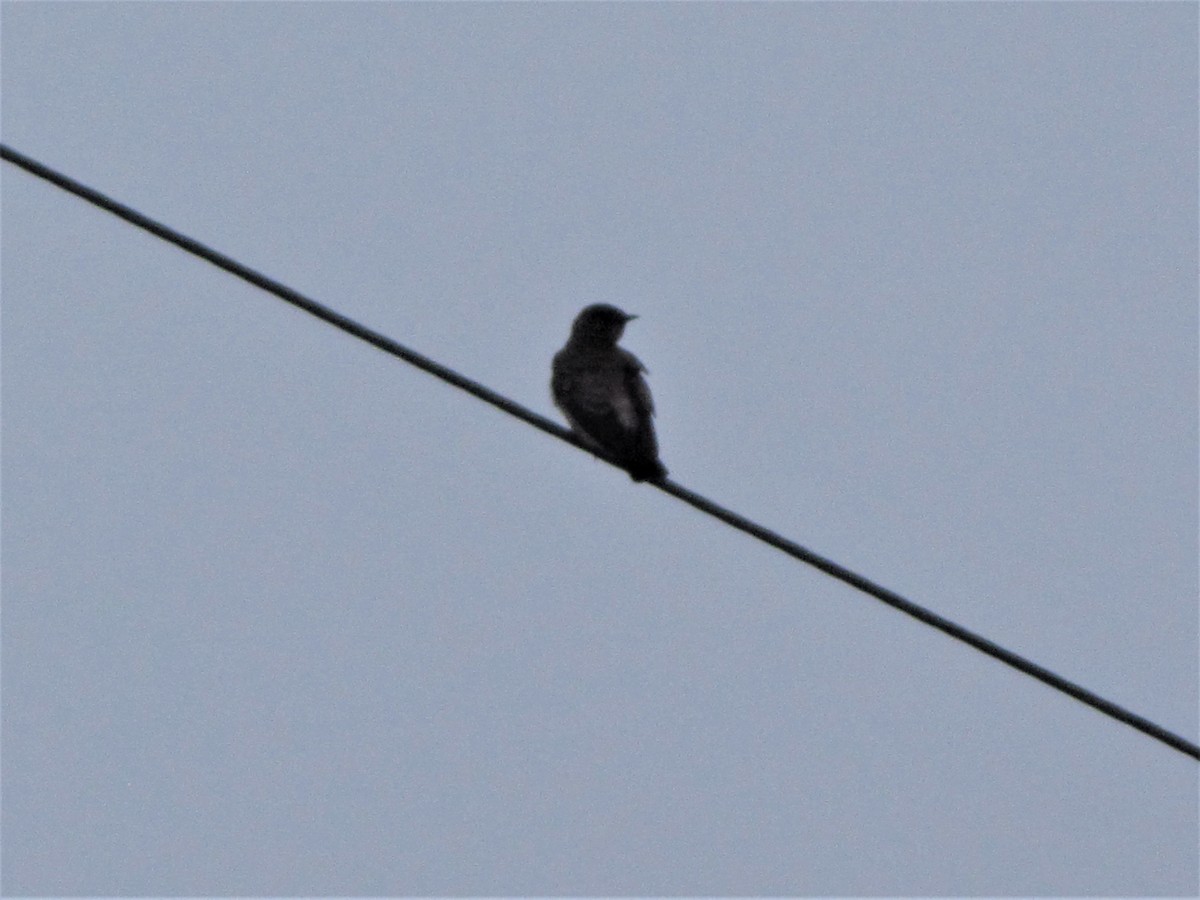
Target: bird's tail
[[646, 470]]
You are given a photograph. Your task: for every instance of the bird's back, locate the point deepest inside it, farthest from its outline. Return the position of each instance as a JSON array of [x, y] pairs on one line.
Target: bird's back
[[602, 393]]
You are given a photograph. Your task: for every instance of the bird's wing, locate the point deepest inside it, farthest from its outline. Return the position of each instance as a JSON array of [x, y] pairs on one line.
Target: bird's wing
[[635, 382], [645, 442]]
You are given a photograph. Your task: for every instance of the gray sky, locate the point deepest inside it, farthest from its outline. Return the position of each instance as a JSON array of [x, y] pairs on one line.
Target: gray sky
[[918, 288]]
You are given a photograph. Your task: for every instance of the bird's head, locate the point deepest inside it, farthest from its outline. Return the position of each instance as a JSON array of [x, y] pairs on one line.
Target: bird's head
[[600, 324]]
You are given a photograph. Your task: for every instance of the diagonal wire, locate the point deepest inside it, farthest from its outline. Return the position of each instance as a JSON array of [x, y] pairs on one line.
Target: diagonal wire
[[891, 598]]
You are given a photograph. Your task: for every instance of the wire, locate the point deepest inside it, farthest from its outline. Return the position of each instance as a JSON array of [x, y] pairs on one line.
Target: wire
[[891, 598]]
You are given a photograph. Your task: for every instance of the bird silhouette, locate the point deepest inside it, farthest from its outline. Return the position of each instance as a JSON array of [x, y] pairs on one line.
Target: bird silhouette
[[600, 389]]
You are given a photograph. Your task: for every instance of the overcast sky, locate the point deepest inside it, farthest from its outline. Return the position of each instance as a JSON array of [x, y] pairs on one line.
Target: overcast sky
[[917, 287]]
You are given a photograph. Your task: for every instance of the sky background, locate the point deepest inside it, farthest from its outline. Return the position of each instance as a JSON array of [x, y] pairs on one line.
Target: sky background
[[918, 289]]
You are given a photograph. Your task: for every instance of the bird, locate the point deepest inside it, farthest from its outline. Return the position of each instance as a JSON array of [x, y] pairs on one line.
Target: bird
[[601, 390]]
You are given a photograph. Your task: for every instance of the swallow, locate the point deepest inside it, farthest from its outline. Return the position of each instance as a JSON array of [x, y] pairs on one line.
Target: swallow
[[600, 389]]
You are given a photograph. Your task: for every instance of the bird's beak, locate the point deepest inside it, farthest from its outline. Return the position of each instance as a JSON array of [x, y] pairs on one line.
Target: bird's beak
[[629, 318]]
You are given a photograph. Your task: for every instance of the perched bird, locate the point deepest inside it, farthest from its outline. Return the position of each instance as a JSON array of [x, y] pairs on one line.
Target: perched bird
[[600, 389]]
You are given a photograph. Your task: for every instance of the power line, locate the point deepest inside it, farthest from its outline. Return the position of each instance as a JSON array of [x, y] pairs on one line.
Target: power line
[[891, 598]]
